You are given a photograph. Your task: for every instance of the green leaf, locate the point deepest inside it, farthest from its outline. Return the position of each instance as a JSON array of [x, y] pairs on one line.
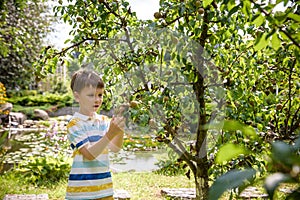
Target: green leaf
[[233, 10], [230, 4], [230, 180], [294, 17], [276, 43], [259, 20], [282, 153], [229, 151], [249, 131], [231, 125], [246, 7], [262, 43], [297, 144], [273, 181], [206, 3], [181, 10]]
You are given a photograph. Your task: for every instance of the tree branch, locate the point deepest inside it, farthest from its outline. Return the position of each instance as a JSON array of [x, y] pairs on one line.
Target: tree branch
[[183, 155], [279, 27]]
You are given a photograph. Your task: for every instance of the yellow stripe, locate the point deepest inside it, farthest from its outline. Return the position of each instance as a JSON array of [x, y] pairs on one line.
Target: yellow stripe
[[75, 189], [73, 122], [75, 152]]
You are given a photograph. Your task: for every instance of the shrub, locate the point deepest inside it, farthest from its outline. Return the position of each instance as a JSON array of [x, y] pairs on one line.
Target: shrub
[[60, 100], [44, 170]]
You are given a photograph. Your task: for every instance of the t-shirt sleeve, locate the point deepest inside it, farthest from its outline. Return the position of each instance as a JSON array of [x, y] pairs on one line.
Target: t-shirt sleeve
[[76, 134]]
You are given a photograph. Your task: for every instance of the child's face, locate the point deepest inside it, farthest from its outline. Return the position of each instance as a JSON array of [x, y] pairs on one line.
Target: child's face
[[89, 99]]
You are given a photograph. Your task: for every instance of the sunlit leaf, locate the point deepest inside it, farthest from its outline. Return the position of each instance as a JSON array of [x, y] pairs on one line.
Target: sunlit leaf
[[233, 10], [231, 125], [206, 3], [259, 20], [294, 16], [276, 43], [229, 151], [262, 43], [246, 7], [249, 131]]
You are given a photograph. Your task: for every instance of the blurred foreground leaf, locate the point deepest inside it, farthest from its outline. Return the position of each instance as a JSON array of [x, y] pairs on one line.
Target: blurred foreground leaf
[[230, 180]]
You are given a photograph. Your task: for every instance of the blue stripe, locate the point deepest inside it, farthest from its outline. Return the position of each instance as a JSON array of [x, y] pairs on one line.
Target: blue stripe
[[76, 177], [94, 138], [79, 144], [90, 164]]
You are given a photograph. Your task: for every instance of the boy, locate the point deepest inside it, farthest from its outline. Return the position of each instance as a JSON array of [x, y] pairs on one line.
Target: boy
[[90, 136]]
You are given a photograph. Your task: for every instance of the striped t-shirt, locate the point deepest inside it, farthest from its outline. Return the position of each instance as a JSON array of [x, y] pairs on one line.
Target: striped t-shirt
[[89, 179]]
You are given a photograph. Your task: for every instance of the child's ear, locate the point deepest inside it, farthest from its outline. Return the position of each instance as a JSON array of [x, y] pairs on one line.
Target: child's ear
[[76, 96]]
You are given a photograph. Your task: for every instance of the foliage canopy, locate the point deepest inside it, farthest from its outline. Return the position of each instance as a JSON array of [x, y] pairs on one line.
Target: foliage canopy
[[253, 48], [24, 25]]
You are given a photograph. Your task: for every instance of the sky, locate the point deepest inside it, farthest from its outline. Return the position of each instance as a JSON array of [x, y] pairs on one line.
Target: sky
[[144, 8]]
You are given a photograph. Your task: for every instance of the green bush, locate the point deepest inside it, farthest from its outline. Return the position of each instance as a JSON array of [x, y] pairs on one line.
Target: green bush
[[41, 99], [44, 170], [21, 93]]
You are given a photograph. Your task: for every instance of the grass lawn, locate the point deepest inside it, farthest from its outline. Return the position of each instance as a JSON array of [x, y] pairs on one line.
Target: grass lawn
[[140, 185], [145, 186]]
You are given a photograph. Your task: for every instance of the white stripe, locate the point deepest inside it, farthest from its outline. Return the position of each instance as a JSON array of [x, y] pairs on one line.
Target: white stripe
[[89, 170], [80, 158], [90, 182]]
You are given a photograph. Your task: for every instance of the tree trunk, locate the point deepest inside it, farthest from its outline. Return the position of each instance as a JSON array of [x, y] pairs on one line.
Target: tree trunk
[[201, 179], [201, 171]]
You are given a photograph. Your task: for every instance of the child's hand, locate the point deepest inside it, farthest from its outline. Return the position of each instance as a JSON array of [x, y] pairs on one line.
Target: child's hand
[[117, 125], [120, 110]]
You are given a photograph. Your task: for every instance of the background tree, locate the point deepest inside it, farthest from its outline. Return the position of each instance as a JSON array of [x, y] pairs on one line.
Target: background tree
[[252, 46], [24, 25]]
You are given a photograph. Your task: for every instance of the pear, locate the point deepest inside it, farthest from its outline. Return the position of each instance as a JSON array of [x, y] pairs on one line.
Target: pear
[[157, 15], [201, 11], [133, 104]]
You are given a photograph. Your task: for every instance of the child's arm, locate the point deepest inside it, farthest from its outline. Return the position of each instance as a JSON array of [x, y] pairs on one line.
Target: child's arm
[[117, 142], [114, 135]]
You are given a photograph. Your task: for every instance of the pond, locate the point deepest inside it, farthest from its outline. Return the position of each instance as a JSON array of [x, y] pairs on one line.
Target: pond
[[23, 145], [138, 161]]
